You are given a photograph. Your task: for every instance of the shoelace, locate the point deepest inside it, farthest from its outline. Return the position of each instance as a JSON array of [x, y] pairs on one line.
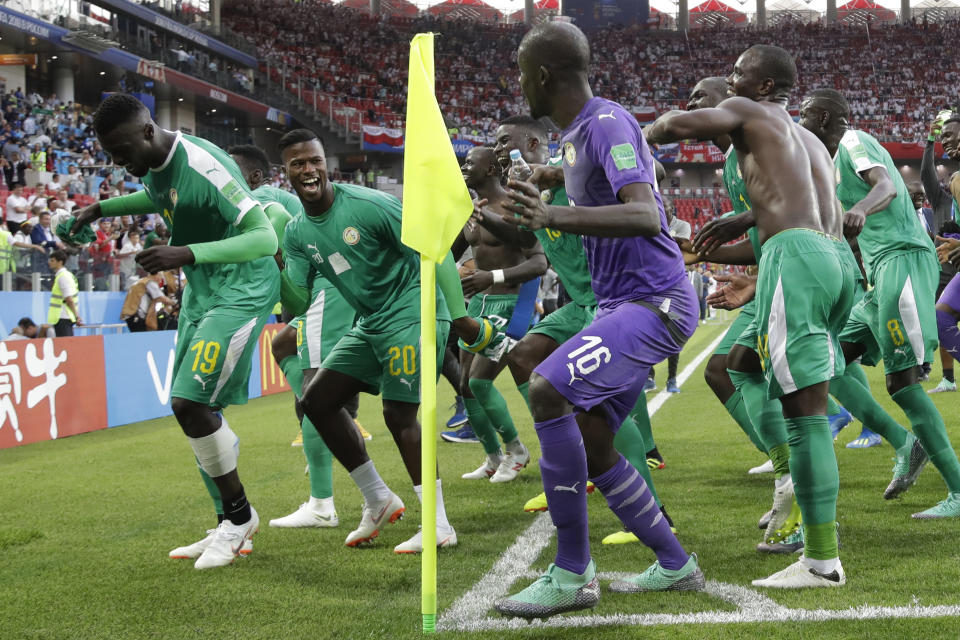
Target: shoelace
[[222, 533]]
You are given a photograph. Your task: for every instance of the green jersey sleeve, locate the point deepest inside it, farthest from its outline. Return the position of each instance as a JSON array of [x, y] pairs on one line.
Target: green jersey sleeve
[[858, 158]]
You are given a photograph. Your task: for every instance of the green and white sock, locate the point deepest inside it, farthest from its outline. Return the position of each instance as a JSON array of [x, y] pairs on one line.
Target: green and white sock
[[929, 428], [495, 406], [816, 481], [860, 402]]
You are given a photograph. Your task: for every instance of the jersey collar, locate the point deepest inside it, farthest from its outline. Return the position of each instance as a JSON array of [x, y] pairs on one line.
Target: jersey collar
[[173, 150]]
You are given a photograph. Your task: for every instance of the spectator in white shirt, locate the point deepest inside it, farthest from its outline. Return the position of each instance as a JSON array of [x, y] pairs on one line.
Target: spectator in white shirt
[[18, 209], [54, 185], [76, 184], [126, 258]]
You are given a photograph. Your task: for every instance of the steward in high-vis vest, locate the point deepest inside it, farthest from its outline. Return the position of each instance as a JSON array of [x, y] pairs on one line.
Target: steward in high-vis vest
[[63, 312]]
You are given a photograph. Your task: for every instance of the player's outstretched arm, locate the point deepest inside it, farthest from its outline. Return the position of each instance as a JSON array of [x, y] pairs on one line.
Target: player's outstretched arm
[[882, 192], [702, 124], [255, 240], [132, 204], [534, 266], [637, 215], [721, 230], [294, 293], [738, 291], [494, 223], [740, 253]]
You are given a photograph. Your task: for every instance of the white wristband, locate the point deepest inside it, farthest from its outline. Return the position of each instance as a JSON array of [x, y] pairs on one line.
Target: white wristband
[[497, 276]]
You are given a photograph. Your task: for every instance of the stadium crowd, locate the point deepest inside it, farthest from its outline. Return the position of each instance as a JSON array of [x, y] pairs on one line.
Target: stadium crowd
[[326, 47]]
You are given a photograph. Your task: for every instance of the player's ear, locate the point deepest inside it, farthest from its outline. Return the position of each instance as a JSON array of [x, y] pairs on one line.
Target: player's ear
[[148, 131], [544, 76]]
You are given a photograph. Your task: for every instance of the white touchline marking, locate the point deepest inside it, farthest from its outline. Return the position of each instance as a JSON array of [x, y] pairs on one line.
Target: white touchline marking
[[710, 617], [472, 607]]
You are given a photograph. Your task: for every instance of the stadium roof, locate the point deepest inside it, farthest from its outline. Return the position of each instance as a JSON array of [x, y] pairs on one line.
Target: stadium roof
[[472, 9], [538, 6], [390, 7], [859, 11]]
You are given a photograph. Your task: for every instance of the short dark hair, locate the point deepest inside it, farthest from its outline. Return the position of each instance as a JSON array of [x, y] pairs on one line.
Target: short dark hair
[[777, 63], [25, 323], [116, 110], [296, 136], [832, 100], [253, 154], [531, 124], [953, 117], [58, 254]]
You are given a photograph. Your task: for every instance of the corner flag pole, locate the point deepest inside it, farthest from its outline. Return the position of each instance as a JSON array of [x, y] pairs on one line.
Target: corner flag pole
[[428, 450], [436, 205]]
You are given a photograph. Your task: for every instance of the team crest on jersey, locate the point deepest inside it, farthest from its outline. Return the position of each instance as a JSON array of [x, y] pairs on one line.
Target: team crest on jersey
[[173, 197], [351, 236], [569, 153]]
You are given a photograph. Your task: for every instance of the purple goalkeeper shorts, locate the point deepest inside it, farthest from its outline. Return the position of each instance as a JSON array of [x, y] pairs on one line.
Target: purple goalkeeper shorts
[[607, 363], [951, 294]]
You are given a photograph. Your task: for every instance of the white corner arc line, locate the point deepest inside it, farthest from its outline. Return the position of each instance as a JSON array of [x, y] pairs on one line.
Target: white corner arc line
[[470, 610]]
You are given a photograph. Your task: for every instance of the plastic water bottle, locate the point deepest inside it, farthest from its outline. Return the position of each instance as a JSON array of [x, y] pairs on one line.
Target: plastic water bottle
[[519, 169]]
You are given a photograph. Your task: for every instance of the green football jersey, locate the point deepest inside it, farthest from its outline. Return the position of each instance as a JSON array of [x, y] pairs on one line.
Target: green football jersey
[[896, 228], [566, 253], [289, 201], [203, 197], [737, 192], [279, 205], [356, 246]]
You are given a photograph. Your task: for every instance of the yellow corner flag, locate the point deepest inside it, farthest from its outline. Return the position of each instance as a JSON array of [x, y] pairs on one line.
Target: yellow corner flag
[[436, 205]]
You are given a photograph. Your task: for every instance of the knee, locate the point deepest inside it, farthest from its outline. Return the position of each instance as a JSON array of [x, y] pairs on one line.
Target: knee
[[715, 373], [545, 401], [946, 318], [465, 388], [284, 344], [400, 420], [901, 380], [315, 403], [743, 359]]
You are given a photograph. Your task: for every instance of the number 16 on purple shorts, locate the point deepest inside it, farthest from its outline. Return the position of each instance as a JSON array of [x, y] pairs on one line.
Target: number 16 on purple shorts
[[607, 363]]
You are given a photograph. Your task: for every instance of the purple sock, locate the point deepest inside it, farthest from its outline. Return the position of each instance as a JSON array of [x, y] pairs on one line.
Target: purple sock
[[630, 498], [563, 468], [948, 332]]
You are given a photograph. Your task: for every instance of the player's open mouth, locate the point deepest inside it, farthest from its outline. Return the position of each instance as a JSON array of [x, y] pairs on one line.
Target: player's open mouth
[[310, 184]]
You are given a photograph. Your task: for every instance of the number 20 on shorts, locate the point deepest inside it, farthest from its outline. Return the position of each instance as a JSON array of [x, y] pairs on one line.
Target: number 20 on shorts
[[403, 361]]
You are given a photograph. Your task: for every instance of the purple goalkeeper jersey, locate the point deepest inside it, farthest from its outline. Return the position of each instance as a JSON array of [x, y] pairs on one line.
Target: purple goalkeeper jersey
[[603, 151]]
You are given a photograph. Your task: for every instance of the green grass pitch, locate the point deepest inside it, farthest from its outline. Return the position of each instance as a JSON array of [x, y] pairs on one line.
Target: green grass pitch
[[87, 523]]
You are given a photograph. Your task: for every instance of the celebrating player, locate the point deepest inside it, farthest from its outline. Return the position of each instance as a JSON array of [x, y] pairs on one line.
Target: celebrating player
[[568, 258], [896, 322], [351, 236], [494, 285], [300, 346], [803, 292], [225, 244], [582, 392]]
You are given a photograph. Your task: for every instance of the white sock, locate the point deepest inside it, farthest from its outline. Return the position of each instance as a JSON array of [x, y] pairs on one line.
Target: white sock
[[783, 480], [442, 522], [516, 447], [822, 566], [493, 459], [370, 483], [322, 505]]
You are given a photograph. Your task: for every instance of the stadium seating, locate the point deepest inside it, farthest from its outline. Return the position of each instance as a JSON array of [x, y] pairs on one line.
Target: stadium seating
[[355, 66]]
